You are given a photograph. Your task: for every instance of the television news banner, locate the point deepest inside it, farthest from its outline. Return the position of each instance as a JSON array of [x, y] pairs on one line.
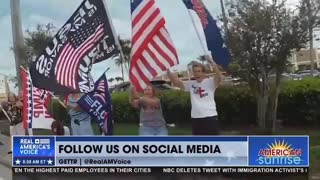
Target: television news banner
[[171, 155]]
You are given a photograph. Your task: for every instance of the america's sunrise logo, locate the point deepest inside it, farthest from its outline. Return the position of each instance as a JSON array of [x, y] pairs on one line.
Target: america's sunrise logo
[[280, 152]]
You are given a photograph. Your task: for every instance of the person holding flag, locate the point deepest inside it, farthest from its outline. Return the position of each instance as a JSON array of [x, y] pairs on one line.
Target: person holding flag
[[203, 113], [98, 105], [152, 121], [13, 109], [80, 119]]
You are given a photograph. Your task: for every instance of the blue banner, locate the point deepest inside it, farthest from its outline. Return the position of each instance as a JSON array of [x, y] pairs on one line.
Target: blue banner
[[30, 150], [174, 151], [215, 42], [279, 151], [98, 105]]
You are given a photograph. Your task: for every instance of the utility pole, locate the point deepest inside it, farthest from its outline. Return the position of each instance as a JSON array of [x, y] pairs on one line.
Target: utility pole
[[310, 27], [225, 22], [17, 35]]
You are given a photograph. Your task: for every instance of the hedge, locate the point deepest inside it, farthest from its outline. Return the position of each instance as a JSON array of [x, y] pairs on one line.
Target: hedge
[[299, 104]]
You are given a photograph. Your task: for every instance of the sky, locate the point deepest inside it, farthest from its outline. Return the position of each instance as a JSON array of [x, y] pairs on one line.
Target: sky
[[178, 23]]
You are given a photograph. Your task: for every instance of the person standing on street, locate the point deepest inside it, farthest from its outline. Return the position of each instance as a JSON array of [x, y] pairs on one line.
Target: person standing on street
[[203, 113]]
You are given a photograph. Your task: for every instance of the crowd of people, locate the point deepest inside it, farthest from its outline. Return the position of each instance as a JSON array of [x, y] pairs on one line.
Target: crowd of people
[[152, 122]]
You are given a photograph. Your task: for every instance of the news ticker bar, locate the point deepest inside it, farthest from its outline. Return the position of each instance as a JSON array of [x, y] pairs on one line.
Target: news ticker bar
[[175, 151], [160, 170]]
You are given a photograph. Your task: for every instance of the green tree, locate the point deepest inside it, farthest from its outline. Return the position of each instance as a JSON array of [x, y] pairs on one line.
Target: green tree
[[35, 42], [309, 12], [202, 58], [262, 36], [118, 79], [110, 80]]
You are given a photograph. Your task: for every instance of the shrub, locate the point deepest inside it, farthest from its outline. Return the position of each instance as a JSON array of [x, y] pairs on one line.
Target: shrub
[[236, 105], [299, 104]]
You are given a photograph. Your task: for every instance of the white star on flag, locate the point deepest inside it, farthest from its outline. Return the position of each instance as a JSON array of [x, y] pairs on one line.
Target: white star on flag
[[49, 161], [230, 155], [209, 163], [18, 161], [28, 121]]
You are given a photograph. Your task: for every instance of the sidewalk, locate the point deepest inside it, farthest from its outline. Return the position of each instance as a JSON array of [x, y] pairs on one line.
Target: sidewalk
[[5, 158]]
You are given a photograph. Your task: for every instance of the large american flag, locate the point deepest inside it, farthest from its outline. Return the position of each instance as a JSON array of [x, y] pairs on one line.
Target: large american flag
[[152, 48], [79, 44]]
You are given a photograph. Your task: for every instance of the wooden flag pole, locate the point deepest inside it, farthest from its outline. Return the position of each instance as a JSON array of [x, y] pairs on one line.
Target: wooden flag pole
[[199, 38], [5, 113], [198, 33]]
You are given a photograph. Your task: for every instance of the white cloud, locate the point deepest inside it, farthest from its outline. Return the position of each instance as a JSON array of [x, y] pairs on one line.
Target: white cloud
[[122, 28]]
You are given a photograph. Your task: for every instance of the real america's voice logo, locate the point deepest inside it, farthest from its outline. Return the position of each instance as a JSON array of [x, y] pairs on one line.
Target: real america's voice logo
[[280, 153]]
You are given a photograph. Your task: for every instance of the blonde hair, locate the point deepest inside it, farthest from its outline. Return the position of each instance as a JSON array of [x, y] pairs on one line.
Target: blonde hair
[[154, 90], [203, 67]]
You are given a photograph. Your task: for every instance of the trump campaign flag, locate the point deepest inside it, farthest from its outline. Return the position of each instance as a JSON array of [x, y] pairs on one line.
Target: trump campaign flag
[[152, 50], [65, 64], [98, 104], [35, 103], [215, 42]]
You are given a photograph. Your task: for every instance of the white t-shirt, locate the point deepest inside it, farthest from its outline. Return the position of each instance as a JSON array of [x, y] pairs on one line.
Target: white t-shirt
[[66, 131], [202, 97]]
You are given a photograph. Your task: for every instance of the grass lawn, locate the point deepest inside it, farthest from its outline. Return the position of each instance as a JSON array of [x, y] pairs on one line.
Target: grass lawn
[[132, 129]]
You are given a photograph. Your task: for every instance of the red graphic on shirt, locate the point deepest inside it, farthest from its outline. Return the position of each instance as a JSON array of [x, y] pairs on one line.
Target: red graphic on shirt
[[198, 90], [201, 92]]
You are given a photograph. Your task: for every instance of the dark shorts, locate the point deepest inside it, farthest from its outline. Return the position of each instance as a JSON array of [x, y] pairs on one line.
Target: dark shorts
[[205, 126]]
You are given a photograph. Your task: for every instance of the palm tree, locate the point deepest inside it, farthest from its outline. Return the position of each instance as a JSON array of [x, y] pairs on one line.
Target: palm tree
[[126, 50], [202, 58], [119, 79], [35, 42], [110, 80]]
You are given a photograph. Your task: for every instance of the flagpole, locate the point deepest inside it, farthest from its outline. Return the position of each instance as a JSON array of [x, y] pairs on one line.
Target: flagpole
[[225, 23], [5, 113], [106, 70], [198, 35], [115, 36]]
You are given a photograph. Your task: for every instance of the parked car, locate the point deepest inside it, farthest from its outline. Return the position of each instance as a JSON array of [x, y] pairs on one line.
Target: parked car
[[307, 73]]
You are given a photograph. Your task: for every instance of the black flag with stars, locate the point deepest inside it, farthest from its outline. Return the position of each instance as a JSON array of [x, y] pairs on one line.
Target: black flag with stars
[[65, 64]]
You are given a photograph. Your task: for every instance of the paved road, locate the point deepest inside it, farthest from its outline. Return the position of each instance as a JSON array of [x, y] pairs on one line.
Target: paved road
[[5, 172]]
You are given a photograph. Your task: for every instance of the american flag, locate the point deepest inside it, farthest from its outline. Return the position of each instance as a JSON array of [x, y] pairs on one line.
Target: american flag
[[80, 42], [152, 48], [101, 90]]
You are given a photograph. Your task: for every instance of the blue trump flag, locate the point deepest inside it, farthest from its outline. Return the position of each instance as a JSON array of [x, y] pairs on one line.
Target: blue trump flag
[[98, 104], [215, 42]]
